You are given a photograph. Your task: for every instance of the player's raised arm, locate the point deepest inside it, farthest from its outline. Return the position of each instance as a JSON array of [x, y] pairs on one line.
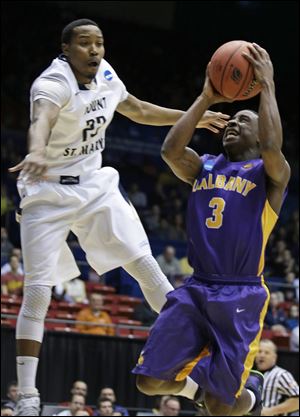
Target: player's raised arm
[[44, 116], [147, 113], [269, 123], [184, 162]]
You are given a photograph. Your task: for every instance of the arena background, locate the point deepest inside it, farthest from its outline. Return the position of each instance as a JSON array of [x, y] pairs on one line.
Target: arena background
[[160, 51]]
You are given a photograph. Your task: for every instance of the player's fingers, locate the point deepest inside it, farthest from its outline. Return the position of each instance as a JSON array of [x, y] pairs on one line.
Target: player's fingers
[[219, 123], [255, 52], [213, 129], [40, 171], [259, 49], [223, 115], [17, 167], [249, 58]]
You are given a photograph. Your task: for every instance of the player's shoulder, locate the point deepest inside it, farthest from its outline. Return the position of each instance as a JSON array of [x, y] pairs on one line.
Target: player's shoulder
[[58, 71]]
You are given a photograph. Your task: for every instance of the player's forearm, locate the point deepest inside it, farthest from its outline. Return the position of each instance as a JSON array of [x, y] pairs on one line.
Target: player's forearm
[[288, 406], [269, 123], [181, 134], [38, 135], [154, 115]]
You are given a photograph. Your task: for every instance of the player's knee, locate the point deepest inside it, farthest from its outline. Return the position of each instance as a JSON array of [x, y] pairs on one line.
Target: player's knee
[[147, 385], [36, 302], [215, 407]]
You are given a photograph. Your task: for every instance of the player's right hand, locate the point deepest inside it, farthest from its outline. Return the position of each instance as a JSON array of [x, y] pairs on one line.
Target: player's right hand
[[211, 92], [33, 164]]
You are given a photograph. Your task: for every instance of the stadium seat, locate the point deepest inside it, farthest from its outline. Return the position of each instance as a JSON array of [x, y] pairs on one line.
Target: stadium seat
[[282, 342], [103, 289], [130, 301]]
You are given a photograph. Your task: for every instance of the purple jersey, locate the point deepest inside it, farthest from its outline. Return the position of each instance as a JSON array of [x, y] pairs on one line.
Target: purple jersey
[[229, 218]]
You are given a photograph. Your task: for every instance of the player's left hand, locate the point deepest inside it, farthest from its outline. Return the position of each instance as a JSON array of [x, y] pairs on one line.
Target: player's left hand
[[262, 64], [213, 121]]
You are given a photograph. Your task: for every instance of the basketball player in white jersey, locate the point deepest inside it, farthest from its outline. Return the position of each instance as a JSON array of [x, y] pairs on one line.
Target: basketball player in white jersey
[[63, 187]]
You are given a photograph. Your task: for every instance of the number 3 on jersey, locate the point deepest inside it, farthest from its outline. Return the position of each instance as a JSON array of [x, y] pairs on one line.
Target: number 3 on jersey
[[215, 222]]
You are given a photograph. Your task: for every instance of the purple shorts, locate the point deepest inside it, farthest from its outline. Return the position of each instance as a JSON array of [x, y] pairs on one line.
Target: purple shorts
[[210, 332]]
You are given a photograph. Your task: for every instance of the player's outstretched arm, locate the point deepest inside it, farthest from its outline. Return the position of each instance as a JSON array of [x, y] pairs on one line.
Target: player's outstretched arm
[[269, 123], [184, 162], [147, 113], [44, 117]]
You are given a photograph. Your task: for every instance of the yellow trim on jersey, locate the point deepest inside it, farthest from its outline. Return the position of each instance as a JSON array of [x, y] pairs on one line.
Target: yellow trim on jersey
[[268, 220], [190, 365], [254, 345]]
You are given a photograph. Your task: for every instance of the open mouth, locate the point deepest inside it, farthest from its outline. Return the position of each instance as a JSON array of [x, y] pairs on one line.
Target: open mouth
[[232, 133], [93, 64]]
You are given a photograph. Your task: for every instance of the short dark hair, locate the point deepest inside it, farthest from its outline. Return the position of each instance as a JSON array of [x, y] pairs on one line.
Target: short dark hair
[[11, 383], [67, 32], [103, 400]]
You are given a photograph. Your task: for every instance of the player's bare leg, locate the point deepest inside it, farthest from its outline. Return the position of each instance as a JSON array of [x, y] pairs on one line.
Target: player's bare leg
[[29, 334]]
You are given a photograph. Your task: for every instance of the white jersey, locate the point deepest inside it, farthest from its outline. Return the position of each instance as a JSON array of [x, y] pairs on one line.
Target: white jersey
[[78, 137]]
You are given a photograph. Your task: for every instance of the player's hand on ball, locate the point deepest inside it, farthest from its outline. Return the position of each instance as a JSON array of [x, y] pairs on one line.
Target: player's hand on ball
[[213, 121], [261, 62], [34, 164], [211, 93]]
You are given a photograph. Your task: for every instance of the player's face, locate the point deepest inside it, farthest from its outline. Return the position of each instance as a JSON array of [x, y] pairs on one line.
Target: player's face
[[241, 133], [266, 357], [84, 52]]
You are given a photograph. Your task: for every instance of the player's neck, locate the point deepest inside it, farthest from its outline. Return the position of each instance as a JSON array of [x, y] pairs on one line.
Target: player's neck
[[248, 155]]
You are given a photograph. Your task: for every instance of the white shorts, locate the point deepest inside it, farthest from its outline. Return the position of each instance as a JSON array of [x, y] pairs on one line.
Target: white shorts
[[106, 224]]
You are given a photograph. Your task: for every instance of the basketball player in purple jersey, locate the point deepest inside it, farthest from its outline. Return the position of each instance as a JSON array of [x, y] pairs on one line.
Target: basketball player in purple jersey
[[205, 340]]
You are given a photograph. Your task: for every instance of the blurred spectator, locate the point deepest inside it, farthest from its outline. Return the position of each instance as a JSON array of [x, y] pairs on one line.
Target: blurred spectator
[[82, 413], [292, 280], [280, 391], [79, 388], [137, 197], [169, 406], [104, 408], [12, 392], [7, 267], [6, 246], [144, 313], [77, 404], [108, 393], [177, 230], [164, 230], [72, 291], [12, 282], [6, 204], [275, 314], [94, 314], [151, 219], [185, 267], [293, 320], [169, 264], [6, 411], [294, 339]]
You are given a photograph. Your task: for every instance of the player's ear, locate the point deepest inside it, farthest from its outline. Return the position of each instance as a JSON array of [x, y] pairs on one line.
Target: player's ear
[[65, 48]]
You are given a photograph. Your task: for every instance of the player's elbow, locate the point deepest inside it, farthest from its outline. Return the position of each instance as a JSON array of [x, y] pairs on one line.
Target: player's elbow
[[167, 152]]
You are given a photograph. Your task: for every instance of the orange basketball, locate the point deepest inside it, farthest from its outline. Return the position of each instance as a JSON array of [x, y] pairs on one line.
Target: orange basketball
[[231, 74]]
